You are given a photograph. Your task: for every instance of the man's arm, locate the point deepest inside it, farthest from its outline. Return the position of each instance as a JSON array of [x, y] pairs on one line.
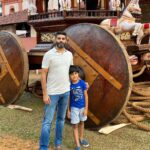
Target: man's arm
[[46, 98]]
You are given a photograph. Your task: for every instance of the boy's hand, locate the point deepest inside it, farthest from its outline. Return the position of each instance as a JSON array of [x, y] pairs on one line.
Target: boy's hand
[[85, 112], [68, 114]]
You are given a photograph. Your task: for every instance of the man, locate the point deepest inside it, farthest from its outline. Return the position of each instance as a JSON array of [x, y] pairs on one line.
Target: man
[[56, 88]]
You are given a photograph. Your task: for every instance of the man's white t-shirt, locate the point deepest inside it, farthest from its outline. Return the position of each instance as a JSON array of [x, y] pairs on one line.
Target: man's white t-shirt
[[58, 73]]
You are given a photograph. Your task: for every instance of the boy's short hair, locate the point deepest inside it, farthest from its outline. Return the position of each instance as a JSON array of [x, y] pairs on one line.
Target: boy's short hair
[[73, 68], [78, 69], [60, 33]]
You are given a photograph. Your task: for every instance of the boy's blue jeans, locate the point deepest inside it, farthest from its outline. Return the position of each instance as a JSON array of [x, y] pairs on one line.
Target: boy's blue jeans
[[59, 102]]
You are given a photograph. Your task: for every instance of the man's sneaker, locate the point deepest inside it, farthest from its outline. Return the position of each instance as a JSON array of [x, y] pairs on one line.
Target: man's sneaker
[[84, 143], [77, 148]]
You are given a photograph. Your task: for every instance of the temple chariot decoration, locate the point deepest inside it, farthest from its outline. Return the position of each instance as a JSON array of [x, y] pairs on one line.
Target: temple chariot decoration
[[114, 54]]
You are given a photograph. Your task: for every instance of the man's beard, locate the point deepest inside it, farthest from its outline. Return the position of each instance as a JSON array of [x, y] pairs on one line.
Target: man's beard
[[60, 45]]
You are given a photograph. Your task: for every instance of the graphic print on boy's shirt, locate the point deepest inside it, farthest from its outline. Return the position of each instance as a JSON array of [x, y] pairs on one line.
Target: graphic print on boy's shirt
[[77, 94]]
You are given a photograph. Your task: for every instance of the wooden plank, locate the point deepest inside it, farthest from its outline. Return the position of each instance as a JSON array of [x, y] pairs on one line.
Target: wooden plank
[[109, 129], [19, 107], [91, 74], [96, 66], [3, 70], [144, 46], [8, 67], [93, 118], [2, 99]]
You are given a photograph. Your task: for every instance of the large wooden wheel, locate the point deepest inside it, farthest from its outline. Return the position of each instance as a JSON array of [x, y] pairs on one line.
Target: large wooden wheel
[[13, 68], [108, 72]]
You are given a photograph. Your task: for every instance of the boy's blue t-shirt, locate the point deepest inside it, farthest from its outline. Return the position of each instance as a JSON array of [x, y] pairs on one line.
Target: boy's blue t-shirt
[[77, 98]]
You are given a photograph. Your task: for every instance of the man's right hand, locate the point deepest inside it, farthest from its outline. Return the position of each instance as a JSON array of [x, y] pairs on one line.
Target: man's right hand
[[46, 99]]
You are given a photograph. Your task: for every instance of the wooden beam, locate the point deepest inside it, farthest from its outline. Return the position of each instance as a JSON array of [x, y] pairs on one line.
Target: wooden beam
[[2, 99], [96, 66], [8, 67], [93, 118]]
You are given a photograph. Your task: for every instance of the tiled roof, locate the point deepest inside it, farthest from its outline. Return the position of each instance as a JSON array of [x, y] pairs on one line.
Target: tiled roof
[[17, 17]]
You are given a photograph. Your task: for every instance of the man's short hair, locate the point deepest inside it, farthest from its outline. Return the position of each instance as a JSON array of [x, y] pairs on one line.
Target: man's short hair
[[73, 68], [61, 33]]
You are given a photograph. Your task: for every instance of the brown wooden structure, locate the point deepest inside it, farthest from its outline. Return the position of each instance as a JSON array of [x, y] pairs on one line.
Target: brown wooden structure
[[109, 79], [102, 56], [13, 68], [46, 24], [88, 47], [105, 63]]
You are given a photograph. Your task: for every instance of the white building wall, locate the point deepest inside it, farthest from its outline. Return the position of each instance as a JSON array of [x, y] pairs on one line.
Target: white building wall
[[33, 32], [7, 8], [25, 4]]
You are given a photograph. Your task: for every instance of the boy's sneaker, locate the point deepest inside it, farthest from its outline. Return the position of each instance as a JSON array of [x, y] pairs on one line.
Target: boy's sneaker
[[58, 148], [84, 143], [77, 148]]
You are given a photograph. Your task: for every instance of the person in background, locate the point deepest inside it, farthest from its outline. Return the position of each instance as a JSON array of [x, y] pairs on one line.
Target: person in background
[[65, 4], [122, 4], [81, 4], [53, 5], [78, 106], [56, 90], [114, 6]]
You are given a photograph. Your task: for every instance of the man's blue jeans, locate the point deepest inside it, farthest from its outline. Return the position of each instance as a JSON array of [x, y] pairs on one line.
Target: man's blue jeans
[[58, 102]]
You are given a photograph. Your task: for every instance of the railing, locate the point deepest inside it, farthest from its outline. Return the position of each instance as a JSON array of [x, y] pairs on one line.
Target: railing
[[92, 13], [49, 15], [78, 13]]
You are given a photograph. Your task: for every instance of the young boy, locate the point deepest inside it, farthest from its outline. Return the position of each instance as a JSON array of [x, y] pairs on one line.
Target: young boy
[[78, 106]]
